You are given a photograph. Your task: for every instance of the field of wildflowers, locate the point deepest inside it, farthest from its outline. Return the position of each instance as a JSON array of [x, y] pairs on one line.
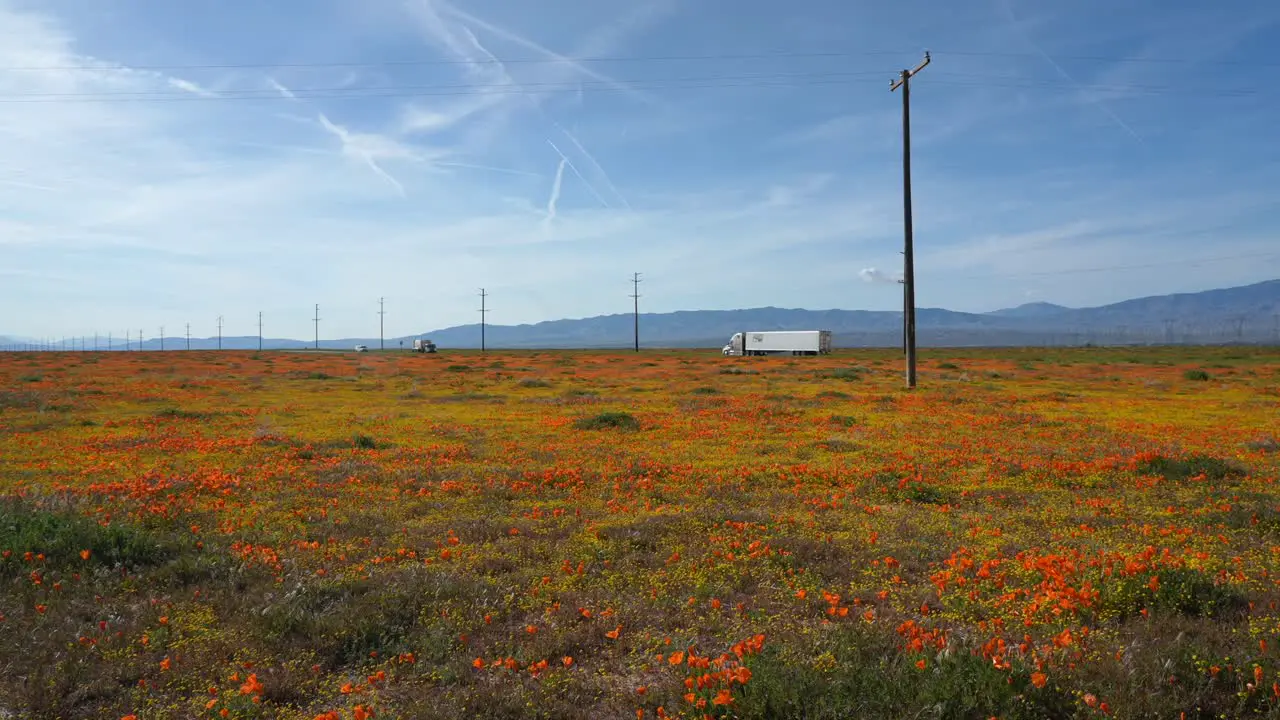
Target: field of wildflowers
[[312, 536]]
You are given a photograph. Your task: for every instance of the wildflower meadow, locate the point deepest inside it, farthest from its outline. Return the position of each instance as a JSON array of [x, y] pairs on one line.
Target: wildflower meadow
[[1030, 533]]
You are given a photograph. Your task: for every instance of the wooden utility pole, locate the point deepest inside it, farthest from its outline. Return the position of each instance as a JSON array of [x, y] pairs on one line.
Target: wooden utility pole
[[483, 311], [908, 255], [161, 338], [259, 330], [219, 332], [317, 322], [188, 336], [635, 295], [382, 316]]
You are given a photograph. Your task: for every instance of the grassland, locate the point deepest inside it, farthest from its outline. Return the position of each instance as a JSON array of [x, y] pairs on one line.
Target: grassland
[[1028, 534]]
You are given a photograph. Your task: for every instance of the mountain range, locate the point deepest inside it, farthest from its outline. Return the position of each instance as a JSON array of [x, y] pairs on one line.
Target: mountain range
[[1246, 314]]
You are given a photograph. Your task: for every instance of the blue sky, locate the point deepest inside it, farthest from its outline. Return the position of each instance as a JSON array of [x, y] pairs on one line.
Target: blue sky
[[164, 163]]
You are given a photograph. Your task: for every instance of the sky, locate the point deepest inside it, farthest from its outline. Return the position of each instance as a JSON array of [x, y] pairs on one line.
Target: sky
[[168, 163]]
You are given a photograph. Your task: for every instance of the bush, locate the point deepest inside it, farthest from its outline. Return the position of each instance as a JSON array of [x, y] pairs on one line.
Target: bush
[[1185, 468], [534, 383], [1196, 375], [847, 374], [179, 414], [607, 420], [364, 442]]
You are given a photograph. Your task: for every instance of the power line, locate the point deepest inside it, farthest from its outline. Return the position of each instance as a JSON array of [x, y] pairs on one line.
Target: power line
[[1110, 268], [778, 55], [574, 86], [783, 81]]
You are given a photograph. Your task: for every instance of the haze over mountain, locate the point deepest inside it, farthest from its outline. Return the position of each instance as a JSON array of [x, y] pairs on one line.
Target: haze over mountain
[[1249, 314]]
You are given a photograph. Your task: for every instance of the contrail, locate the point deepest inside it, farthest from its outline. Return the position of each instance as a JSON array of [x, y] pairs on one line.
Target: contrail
[[555, 193], [574, 168], [612, 188], [1008, 8]]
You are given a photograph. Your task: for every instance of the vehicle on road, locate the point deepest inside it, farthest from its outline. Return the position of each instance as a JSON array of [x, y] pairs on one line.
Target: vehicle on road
[[779, 342]]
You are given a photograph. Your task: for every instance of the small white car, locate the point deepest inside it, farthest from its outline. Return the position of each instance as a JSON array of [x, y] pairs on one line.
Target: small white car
[[362, 348]]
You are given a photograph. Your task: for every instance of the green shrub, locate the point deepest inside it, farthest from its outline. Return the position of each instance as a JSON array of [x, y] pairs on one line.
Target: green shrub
[[61, 536], [847, 374], [608, 420], [1196, 375], [1185, 468], [1184, 591]]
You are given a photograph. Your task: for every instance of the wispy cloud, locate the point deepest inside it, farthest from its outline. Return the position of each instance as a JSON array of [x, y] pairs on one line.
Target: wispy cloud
[[1094, 99], [522, 41], [367, 147]]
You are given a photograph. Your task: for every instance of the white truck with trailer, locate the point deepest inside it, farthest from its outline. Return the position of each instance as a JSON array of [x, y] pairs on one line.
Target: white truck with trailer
[[779, 342], [423, 345]]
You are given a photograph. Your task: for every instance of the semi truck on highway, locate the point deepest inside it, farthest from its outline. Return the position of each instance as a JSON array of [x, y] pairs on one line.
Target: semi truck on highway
[[779, 342]]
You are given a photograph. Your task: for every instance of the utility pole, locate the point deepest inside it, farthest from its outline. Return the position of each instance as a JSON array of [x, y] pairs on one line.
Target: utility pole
[[908, 254], [635, 296], [259, 330], [483, 311], [382, 316], [109, 342], [139, 339], [219, 332], [188, 336], [161, 338], [128, 342], [95, 342], [317, 321]]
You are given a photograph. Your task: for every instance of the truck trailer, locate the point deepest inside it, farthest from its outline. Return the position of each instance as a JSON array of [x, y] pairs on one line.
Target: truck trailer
[[779, 342]]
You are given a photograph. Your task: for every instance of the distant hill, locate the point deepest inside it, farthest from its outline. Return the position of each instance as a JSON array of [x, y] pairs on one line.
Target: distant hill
[[1248, 314], [1031, 310], [1244, 314]]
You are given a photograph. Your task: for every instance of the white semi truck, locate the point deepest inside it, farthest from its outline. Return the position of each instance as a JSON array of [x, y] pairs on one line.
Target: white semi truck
[[780, 342]]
